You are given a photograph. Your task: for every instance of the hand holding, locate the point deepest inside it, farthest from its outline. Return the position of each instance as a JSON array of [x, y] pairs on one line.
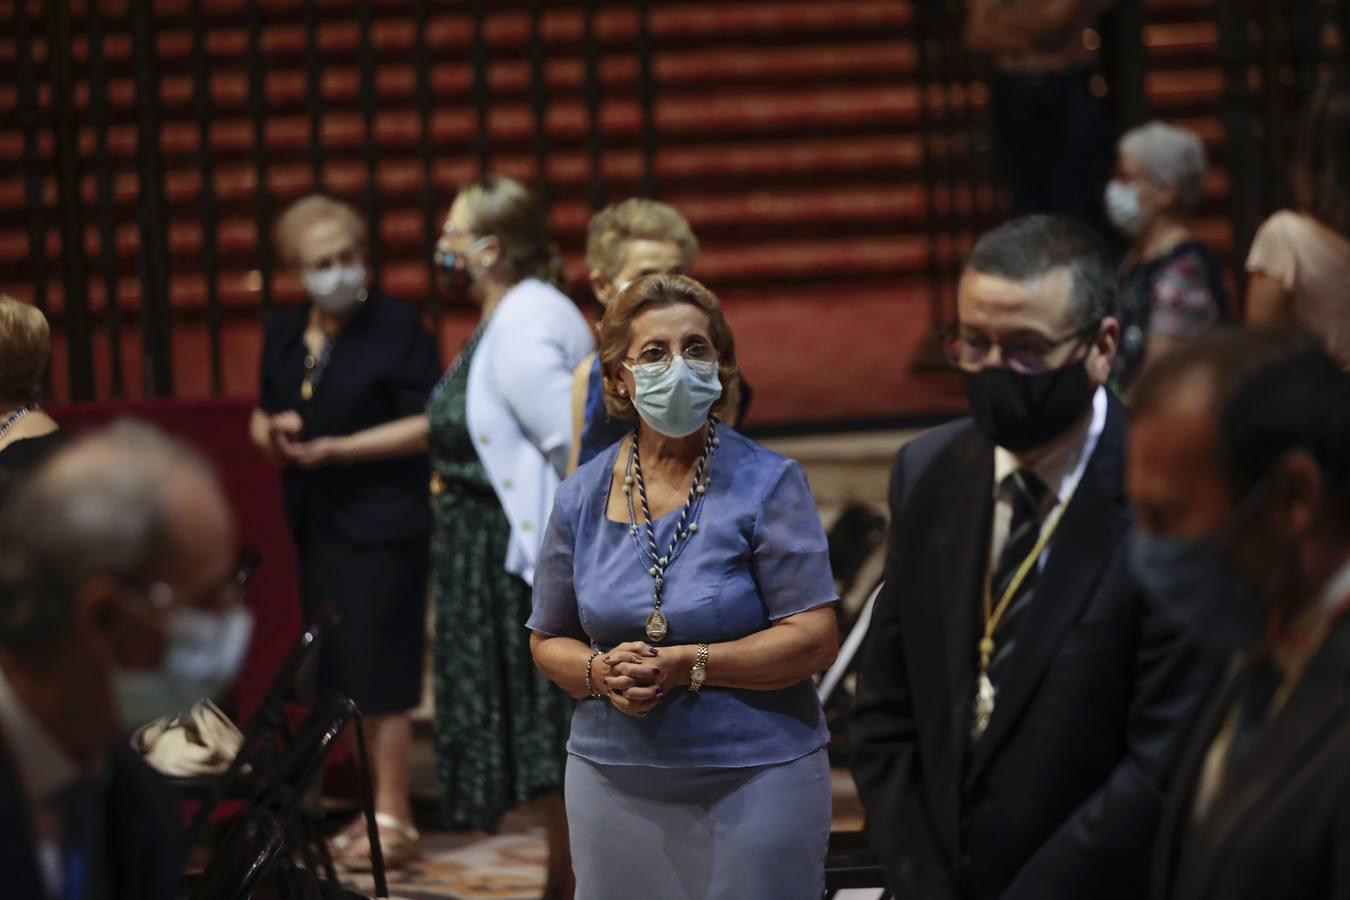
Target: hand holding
[[286, 424], [321, 451], [632, 691]]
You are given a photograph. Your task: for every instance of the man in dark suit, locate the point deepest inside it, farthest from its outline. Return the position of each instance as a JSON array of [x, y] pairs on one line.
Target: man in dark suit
[[1253, 554], [1020, 704], [118, 602]]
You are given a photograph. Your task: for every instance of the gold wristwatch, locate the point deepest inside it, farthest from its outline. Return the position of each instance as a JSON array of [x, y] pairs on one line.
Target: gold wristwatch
[[700, 670]]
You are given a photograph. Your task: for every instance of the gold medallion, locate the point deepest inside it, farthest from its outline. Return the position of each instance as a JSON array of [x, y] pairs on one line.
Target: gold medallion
[[306, 389], [984, 705], [657, 626]]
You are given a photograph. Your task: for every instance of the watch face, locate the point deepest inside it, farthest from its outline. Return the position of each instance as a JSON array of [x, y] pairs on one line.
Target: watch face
[[698, 674]]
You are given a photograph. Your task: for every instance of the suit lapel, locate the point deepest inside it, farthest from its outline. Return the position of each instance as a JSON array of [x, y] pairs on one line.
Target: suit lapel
[[1318, 704], [948, 537], [1181, 799], [18, 853], [1086, 539]]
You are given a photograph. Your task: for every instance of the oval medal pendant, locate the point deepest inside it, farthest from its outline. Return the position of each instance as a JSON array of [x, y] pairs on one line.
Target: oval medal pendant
[[657, 626], [306, 390]]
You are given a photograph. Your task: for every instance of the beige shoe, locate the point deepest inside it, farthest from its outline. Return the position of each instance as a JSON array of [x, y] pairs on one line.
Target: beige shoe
[[398, 841]]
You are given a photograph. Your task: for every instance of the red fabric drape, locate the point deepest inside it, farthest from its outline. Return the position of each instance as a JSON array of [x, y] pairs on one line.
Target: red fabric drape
[[219, 429]]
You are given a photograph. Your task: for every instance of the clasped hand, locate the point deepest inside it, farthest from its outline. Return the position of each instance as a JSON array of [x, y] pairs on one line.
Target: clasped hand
[[285, 430], [637, 677]]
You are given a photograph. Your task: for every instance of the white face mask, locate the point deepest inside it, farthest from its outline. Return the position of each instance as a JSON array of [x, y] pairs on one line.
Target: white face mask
[[1123, 208], [676, 401], [205, 652], [337, 290]]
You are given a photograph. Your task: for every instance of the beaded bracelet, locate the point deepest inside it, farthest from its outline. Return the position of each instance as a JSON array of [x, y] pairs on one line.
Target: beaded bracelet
[[590, 688]]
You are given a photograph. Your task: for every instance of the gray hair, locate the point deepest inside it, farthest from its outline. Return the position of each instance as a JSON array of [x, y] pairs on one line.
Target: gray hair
[[99, 507], [1032, 247], [1173, 157]]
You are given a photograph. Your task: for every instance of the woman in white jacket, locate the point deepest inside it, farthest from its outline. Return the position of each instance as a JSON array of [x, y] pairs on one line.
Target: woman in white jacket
[[498, 429]]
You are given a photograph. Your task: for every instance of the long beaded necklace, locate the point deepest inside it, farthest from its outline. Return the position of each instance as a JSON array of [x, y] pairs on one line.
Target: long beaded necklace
[[13, 419], [658, 626]]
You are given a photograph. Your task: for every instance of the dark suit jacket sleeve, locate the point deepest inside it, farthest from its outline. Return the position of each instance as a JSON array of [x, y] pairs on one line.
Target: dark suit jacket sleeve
[[1109, 838], [416, 371], [269, 395], [1340, 856], [885, 742]]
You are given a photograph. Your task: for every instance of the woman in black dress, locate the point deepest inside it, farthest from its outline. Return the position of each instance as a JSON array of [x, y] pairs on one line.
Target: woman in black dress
[[27, 434], [349, 359]]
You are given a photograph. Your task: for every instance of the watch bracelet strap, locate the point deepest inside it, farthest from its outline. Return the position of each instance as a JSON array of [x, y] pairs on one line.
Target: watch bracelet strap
[[700, 661]]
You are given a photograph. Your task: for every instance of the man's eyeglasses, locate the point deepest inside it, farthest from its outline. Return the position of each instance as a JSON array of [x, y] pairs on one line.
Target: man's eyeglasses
[[225, 594], [1027, 355]]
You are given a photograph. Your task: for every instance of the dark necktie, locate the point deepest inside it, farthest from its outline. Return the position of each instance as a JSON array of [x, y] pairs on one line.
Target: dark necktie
[[1028, 497]]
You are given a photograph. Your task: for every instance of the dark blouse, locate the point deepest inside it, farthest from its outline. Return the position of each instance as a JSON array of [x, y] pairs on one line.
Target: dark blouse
[[1179, 295], [382, 367], [23, 456]]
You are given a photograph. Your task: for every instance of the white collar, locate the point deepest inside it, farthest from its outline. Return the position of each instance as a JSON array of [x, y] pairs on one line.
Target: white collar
[[1063, 465], [44, 766], [1336, 590]]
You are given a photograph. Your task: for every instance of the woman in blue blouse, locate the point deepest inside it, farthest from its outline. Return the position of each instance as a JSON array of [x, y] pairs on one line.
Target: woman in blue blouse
[[683, 593]]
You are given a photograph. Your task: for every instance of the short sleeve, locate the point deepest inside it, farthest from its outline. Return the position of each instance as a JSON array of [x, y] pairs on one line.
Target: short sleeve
[[555, 610], [1184, 305], [417, 372], [790, 557], [1272, 252]]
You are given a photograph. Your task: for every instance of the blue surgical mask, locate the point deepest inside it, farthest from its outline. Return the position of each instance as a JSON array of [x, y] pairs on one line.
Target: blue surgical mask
[[1191, 582], [1124, 209], [676, 398], [205, 652]]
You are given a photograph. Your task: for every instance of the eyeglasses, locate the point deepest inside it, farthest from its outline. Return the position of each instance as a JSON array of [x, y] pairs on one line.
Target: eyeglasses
[[657, 359], [1027, 355], [224, 594]]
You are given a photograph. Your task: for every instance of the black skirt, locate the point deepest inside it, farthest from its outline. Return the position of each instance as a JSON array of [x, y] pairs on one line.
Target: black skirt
[[378, 593]]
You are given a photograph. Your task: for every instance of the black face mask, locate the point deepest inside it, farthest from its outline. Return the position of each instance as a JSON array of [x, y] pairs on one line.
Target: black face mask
[[1020, 412]]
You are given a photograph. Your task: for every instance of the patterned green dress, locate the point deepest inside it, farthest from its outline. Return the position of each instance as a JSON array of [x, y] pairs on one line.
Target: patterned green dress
[[501, 727]]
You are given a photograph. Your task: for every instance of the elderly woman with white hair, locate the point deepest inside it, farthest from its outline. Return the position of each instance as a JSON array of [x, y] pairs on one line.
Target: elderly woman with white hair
[[1172, 287]]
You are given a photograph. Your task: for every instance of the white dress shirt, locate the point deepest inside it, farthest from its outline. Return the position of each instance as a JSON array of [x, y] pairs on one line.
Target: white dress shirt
[[1060, 469]]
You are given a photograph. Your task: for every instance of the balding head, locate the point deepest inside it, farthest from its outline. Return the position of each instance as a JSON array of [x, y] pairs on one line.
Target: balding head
[[126, 503]]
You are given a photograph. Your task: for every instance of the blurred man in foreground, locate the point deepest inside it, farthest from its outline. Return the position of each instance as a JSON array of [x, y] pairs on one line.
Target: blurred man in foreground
[[1240, 471], [118, 604]]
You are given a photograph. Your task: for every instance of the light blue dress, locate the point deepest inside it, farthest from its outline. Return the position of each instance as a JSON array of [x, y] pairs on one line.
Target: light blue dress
[[720, 794]]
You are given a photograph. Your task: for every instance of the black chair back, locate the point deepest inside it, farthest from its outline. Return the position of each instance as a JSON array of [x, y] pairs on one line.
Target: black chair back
[[243, 860], [264, 734]]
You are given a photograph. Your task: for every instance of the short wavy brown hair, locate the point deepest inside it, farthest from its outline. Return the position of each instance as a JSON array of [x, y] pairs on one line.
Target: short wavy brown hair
[[616, 330], [25, 348]]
